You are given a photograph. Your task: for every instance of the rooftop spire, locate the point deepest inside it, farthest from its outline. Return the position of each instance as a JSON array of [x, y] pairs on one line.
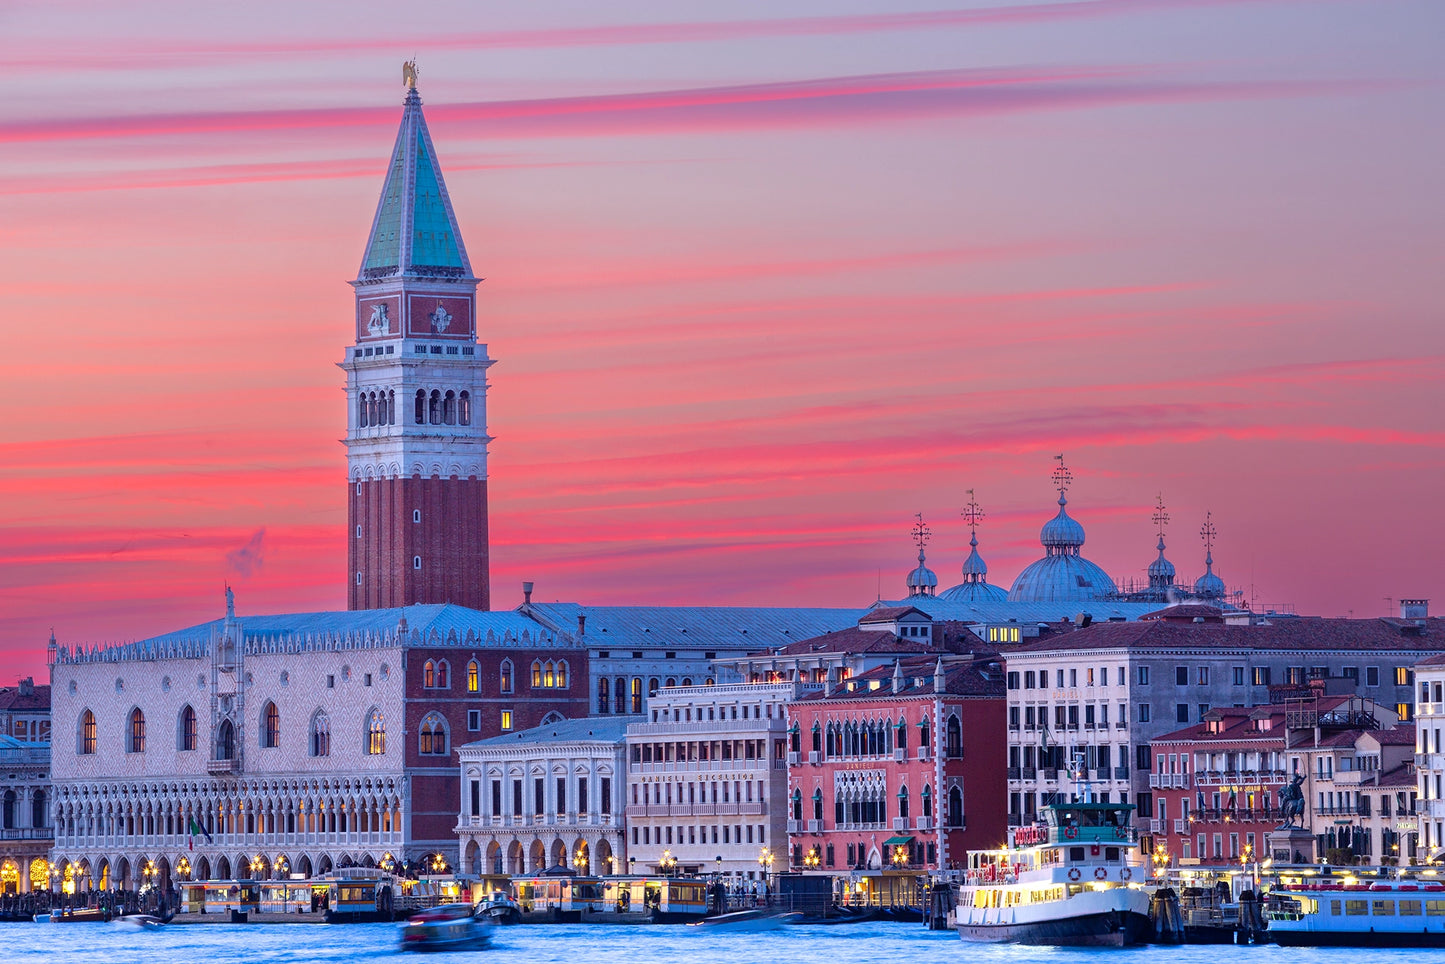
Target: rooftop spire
[[921, 581], [415, 231], [1161, 570]]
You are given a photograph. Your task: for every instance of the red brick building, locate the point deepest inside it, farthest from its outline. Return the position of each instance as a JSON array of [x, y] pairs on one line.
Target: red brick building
[[898, 771]]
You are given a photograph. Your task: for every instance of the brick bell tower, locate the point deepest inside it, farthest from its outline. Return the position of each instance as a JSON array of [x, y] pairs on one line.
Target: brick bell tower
[[416, 386]]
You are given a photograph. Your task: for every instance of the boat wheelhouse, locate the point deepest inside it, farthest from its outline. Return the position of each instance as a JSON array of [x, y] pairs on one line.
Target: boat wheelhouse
[[1075, 879]]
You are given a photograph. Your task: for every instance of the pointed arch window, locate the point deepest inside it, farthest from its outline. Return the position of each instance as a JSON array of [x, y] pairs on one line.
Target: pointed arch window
[[797, 804], [604, 694], [186, 734], [270, 726], [226, 741], [818, 804], [419, 416], [562, 675], [87, 732], [955, 807], [954, 739], [361, 410], [429, 675], [926, 797], [536, 674], [375, 733], [434, 409], [320, 734], [444, 675], [506, 676], [474, 682], [433, 737], [137, 731], [903, 801], [549, 674]]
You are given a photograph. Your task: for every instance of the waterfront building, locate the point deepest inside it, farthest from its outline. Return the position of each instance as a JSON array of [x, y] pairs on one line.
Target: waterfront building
[[25, 711], [635, 651], [1430, 744], [296, 742], [896, 772], [1217, 783], [707, 780], [545, 797], [25, 830], [1095, 698]]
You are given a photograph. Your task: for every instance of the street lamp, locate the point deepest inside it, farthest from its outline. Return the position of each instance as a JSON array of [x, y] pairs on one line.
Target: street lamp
[[900, 856], [632, 866], [667, 863], [580, 858], [388, 862], [719, 865], [438, 864], [765, 860], [810, 859], [183, 867]]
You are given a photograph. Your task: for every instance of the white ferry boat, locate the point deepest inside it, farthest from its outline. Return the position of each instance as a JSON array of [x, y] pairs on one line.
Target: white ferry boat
[[1074, 880], [1347, 911]]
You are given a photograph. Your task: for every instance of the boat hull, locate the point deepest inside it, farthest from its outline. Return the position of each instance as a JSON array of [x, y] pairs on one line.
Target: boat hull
[[1321, 938], [1106, 929]]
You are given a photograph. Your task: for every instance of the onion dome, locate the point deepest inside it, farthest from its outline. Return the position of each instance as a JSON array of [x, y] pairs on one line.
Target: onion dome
[[1209, 584], [1062, 532], [1161, 570], [975, 587], [922, 581]]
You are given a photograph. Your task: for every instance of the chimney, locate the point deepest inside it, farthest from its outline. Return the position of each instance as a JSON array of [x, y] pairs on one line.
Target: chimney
[[27, 686], [581, 624], [1417, 609], [938, 682], [526, 594], [897, 676]]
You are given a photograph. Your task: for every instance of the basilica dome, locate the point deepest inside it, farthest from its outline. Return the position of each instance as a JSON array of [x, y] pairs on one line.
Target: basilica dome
[[1062, 575]]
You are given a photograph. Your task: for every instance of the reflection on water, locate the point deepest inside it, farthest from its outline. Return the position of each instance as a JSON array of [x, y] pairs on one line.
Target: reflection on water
[[581, 944]]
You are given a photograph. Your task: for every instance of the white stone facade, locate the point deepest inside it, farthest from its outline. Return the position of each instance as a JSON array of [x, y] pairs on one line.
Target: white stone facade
[[707, 779], [545, 797]]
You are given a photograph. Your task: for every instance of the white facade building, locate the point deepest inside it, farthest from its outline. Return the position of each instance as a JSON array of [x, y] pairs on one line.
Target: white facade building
[[545, 797], [707, 780]]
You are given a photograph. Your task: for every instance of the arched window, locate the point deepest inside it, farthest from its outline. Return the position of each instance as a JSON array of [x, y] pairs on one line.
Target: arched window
[[818, 804], [375, 733], [955, 807], [506, 679], [927, 799], [474, 683], [671, 681], [137, 731], [391, 407], [7, 820], [797, 804], [549, 674], [562, 675], [420, 414], [371, 411], [817, 737], [955, 738], [464, 408], [651, 687], [361, 410], [434, 408], [429, 675], [270, 726], [444, 675], [903, 801], [687, 681], [449, 408], [226, 741], [604, 695], [619, 695], [636, 694], [320, 734], [536, 674], [186, 731], [433, 735]]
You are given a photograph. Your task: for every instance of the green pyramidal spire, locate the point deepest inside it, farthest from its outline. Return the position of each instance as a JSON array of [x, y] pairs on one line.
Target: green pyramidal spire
[[415, 231]]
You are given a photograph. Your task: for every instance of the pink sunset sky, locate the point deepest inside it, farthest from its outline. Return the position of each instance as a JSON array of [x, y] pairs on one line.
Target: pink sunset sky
[[763, 279]]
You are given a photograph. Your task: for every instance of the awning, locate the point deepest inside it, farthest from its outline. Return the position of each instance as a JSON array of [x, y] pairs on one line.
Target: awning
[[898, 841]]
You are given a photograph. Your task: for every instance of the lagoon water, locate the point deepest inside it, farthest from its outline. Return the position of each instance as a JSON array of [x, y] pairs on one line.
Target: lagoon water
[[582, 944]]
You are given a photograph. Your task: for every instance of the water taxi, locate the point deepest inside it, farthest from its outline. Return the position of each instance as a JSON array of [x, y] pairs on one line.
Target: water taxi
[[1347, 911], [450, 927], [1076, 879]]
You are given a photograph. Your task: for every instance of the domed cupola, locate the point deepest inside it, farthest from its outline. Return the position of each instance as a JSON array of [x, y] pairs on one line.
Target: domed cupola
[[1161, 570], [921, 581], [1209, 585], [1063, 574], [975, 587]]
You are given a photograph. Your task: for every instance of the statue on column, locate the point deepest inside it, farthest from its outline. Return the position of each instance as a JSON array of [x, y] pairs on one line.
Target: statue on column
[[1292, 804]]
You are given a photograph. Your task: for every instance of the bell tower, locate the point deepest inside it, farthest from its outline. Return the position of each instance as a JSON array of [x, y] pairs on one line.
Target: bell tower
[[416, 386]]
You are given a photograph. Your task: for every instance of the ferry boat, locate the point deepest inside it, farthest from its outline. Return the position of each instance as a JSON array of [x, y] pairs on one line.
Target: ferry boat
[[1076, 879], [1348, 911], [610, 900]]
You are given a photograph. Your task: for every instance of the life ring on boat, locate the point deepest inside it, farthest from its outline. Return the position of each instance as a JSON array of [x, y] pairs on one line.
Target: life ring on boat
[[1125, 873], [1074, 873], [1100, 873], [1071, 832], [1122, 833]]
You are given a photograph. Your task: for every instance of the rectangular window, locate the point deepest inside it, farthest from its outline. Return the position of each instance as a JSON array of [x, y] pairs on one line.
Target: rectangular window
[[1404, 676], [1089, 677], [1384, 908], [561, 795], [1357, 908], [1372, 676], [516, 798], [366, 680], [1261, 676], [506, 719], [1239, 676], [1059, 678], [1013, 680], [497, 798], [605, 802], [1409, 908], [1181, 676], [1435, 908], [1203, 708], [474, 720], [1181, 712], [331, 682], [1202, 677], [539, 796], [1143, 676], [1028, 679], [1143, 712]]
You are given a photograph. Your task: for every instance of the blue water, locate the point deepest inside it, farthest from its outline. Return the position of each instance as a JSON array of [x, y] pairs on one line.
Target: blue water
[[580, 944]]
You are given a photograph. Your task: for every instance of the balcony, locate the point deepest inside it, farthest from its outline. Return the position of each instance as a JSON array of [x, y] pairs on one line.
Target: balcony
[[795, 826], [1431, 761], [1121, 773], [27, 833], [898, 755], [923, 823], [1431, 808], [1181, 826], [815, 826], [223, 767], [1028, 773], [1013, 773]]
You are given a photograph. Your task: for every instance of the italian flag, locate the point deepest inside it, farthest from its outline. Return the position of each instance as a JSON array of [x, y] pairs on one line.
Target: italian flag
[[195, 828]]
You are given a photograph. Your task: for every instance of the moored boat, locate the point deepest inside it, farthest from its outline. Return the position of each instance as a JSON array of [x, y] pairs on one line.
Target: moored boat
[[1345, 912], [450, 927], [1076, 879]]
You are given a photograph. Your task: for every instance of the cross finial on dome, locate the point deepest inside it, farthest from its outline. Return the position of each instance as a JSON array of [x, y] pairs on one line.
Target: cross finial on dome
[[1207, 532], [971, 512], [1063, 478], [1160, 518], [921, 534]]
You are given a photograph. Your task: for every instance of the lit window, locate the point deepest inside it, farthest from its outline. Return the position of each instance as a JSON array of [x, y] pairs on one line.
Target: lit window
[[271, 727], [473, 681], [87, 732], [506, 719], [433, 736], [375, 734], [137, 731]]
